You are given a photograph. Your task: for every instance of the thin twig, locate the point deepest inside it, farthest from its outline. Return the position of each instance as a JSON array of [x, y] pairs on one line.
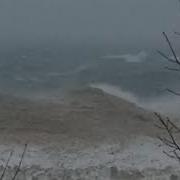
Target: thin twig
[[20, 162], [177, 156], [166, 57], [171, 142], [177, 33], [171, 48], [169, 155], [5, 168], [172, 69], [173, 92]]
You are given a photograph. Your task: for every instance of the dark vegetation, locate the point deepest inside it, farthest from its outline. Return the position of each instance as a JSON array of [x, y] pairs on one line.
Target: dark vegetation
[[167, 124]]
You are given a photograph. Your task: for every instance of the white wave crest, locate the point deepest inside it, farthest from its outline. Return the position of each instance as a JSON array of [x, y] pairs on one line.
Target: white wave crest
[[132, 58]]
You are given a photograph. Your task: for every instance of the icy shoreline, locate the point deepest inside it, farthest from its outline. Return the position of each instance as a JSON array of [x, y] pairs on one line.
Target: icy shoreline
[[142, 158]]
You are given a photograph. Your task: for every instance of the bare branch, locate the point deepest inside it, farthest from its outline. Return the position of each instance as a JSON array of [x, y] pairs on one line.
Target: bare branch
[[5, 168], [20, 162], [172, 69], [177, 33], [171, 48], [177, 156], [167, 142], [165, 123], [166, 57], [169, 155], [170, 142], [173, 92], [173, 125], [159, 127]]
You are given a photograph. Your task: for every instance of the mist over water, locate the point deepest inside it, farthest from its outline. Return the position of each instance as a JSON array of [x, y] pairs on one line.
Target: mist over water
[[48, 46], [51, 53]]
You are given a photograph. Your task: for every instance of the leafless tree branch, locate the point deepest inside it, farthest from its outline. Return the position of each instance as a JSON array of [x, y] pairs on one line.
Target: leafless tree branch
[[169, 154], [20, 162], [177, 33], [5, 168], [173, 92], [165, 123], [166, 57], [171, 48], [172, 69], [170, 128]]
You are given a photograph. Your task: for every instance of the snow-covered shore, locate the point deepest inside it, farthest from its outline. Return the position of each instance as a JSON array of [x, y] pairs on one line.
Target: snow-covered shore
[[140, 159], [92, 136]]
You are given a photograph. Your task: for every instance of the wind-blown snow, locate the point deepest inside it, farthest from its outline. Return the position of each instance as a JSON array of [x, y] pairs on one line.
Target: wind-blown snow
[[168, 105]]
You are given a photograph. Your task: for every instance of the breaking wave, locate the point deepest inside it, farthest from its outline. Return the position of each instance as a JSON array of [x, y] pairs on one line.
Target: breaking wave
[[131, 58]]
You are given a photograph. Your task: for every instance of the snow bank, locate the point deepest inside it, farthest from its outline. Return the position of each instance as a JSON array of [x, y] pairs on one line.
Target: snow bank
[[141, 158]]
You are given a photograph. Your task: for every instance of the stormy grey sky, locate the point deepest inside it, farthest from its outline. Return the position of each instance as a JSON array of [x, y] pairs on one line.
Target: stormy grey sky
[[87, 20]]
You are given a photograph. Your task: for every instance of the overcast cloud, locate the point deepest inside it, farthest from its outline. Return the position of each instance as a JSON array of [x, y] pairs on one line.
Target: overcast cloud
[[87, 20]]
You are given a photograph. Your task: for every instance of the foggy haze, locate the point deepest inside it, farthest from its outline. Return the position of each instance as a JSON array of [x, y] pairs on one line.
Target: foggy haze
[[80, 81], [89, 21]]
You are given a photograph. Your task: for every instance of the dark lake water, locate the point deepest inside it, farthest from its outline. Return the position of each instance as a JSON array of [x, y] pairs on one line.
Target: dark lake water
[[49, 69]]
